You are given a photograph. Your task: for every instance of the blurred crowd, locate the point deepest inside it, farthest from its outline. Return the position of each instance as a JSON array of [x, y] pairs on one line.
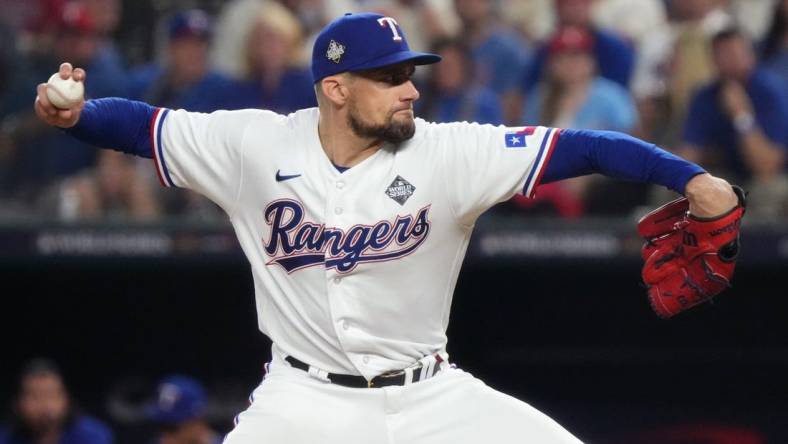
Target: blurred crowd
[[44, 411], [706, 79]]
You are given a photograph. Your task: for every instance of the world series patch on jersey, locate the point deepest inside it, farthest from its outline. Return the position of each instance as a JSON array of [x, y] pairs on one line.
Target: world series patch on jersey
[[329, 250]]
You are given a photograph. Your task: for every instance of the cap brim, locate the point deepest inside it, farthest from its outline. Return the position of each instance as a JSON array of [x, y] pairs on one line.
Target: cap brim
[[419, 58]]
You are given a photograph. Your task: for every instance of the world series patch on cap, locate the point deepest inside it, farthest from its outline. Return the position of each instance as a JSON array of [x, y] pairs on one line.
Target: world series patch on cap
[[357, 42]]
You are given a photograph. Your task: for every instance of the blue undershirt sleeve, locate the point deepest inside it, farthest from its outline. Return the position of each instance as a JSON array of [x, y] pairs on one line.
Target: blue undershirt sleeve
[[617, 155], [119, 124]]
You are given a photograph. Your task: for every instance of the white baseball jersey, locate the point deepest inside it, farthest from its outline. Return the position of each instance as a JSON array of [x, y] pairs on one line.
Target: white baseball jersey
[[354, 271]]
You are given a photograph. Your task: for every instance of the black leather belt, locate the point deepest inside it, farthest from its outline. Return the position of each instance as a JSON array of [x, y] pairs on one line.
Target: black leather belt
[[395, 377]]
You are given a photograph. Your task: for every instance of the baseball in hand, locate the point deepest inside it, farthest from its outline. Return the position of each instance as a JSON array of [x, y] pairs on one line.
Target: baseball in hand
[[64, 93]]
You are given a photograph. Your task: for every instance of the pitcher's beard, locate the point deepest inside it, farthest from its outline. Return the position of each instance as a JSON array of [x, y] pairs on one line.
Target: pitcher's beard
[[394, 131]]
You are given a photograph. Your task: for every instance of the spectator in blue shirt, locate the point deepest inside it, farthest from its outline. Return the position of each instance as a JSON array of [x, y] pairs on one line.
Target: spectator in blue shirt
[[44, 413], [614, 56], [739, 124], [740, 119], [573, 95], [184, 80], [451, 94], [179, 412]]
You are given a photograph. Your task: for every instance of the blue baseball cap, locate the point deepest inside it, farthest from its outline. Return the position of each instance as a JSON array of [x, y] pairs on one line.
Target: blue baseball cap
[[191, 23], [178, 399], [356, 42]]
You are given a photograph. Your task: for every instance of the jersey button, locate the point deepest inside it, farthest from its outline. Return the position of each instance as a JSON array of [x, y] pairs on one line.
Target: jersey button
[[340, 185], [365, 359], [338, 210], [337, 280], [345, 325]]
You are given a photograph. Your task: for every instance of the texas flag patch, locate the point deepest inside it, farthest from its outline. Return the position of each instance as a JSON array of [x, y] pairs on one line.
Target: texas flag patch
[[516, 139]]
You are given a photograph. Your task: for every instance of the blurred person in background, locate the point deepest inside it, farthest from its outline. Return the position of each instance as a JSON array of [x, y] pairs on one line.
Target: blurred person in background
[[179, 413], [274, 77], [451, 94], [614, 56], [184, 79], [774, 47], [35, 155], [737, 124], [315, 14], [105, 16], [573, 95], [84, 36], [45, 414], [237, 18], [690, 59], [674, 60], [232, 28], [115, 190], [499, 53]]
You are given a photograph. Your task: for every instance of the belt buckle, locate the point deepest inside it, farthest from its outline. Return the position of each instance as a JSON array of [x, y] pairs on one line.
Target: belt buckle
[[394, 374], [386, 375], [390, 374]]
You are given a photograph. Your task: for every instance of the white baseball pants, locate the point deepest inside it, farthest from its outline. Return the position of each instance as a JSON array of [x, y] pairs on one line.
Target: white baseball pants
[[291, 407]]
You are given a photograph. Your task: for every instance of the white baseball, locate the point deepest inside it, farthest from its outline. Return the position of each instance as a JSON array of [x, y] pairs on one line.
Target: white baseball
[[66, 93]]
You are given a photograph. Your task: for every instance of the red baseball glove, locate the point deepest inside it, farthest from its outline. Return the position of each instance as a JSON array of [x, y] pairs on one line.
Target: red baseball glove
[[689, 259]]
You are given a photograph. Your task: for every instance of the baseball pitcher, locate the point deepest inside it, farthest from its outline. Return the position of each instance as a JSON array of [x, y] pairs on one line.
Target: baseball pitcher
[[355, 217]]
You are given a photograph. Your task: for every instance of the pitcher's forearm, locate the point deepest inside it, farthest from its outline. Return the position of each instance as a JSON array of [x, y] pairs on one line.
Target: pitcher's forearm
[[120, 124]]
